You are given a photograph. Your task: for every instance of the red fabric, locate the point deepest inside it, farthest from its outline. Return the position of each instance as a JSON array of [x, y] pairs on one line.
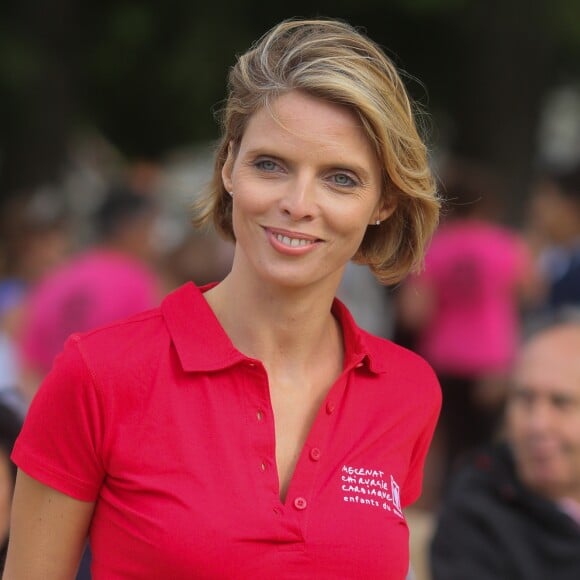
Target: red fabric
[[169, 428]]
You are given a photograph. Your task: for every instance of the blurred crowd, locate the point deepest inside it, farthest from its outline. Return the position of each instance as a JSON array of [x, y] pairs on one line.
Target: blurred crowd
[[485, 287], [502, 482], [114, 238]]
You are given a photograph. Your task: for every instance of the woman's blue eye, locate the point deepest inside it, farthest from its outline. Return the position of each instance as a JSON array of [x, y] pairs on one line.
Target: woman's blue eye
[[266, 165], [343, 179]]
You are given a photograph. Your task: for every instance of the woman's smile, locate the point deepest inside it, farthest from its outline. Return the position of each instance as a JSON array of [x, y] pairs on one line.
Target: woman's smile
[[291, 243]]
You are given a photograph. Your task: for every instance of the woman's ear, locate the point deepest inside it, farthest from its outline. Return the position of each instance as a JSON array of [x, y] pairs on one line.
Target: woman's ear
[[384, 210], [227, 169], [387, 207]]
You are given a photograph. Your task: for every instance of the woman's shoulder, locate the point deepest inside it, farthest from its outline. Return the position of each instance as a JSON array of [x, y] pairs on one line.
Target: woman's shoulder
[[144, 329], [140, 342], [396, 358], [111, 356], [125, 334], [130, 343], [383, 356], [406, 376]]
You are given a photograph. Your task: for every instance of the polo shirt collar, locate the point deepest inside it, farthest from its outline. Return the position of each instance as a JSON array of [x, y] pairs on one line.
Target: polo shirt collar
[[203, 345]]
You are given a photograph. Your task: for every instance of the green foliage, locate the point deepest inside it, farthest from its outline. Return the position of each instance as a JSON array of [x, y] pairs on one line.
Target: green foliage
[[422, 7], [20, 62], [566, 24], [147, 73]]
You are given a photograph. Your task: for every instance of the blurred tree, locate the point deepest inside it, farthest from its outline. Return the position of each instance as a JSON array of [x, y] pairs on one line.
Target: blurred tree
[[37, 47], [147, 74]]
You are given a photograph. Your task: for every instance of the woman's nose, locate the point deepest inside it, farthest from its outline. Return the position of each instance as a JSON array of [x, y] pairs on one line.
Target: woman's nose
[[299, 199]]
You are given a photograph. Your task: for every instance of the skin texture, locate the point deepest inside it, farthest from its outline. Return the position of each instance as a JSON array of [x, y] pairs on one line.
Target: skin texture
[[47, 533], [543, 413]]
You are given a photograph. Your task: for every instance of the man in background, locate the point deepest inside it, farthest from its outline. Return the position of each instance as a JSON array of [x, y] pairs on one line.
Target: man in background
[[513, 513]]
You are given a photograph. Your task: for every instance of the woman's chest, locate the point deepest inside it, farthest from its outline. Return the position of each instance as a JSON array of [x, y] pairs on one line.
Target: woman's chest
[[196, 481]]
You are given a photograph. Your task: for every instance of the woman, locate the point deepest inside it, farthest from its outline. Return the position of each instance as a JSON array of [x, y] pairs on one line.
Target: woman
[[249, 429]]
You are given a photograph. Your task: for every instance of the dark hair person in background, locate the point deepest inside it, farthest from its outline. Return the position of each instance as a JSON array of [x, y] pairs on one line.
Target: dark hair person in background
[[108, 281], [555, 226], [249, 428]]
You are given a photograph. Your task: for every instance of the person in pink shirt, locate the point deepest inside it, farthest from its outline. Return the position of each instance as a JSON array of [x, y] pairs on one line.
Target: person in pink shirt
[[475, 268], [464, 308], [105, 283]]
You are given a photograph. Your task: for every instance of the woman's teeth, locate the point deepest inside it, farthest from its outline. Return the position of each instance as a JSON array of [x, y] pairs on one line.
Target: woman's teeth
[[292, 242]]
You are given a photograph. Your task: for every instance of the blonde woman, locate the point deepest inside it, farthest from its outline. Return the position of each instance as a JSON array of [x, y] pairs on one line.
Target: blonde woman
[[249, 428]]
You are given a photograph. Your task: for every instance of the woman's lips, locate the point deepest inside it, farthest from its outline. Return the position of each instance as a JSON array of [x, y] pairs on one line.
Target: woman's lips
[[295, 242]]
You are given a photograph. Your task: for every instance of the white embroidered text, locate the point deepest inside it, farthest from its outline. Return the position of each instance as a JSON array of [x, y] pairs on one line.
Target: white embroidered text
[[363, 486]]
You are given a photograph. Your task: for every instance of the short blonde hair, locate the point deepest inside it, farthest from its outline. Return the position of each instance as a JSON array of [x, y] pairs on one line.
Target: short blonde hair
[[330, 60]]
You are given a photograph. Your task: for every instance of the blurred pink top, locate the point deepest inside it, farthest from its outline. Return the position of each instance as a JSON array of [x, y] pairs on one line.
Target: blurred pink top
[[95, 288], [474, 269]]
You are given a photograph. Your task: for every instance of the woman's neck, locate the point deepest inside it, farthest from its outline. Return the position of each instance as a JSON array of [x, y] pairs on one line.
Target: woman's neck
[[276, 326]]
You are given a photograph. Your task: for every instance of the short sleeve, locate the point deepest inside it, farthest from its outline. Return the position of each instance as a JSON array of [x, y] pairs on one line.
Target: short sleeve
[[61, 442]]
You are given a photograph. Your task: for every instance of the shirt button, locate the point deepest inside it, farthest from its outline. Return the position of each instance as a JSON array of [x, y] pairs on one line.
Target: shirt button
[[315, 454], [330, 408], [300, 503], [263, 466], [260, 415], [359, 365]]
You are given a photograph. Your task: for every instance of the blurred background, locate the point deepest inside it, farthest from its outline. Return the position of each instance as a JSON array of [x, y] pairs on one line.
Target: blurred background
[[97, 95], [124, 81]]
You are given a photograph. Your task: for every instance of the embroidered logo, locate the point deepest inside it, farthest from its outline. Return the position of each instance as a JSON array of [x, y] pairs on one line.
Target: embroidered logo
[[366, 486]]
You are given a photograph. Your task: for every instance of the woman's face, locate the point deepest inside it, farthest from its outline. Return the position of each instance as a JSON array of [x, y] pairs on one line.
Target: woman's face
[[306, 184]]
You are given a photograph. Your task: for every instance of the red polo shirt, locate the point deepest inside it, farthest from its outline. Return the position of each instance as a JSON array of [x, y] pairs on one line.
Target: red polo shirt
[[162, 422]]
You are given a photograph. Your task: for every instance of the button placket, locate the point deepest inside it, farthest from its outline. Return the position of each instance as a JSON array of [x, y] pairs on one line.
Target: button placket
[[260, 427], [303, 487]]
